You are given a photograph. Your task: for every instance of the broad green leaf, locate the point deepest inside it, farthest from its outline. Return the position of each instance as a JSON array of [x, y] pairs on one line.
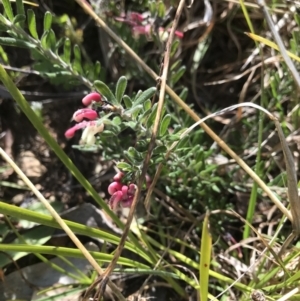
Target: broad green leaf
[[32, 23], [120, 88], [178, 74], [15, 42], [127, 101], [103, 89], [8, 10], [47, 21], [164, 124], [77, 60], [147, 94], [19, 19], [124, 166], [67, 51], [52, 39], [20, 7]]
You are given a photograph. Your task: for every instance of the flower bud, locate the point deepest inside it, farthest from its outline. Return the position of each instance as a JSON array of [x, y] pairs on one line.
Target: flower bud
[[94, 96], [85, 113]]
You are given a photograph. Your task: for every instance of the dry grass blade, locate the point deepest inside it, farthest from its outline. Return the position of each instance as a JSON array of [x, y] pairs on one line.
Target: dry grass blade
[[279, 42], [59, 220]]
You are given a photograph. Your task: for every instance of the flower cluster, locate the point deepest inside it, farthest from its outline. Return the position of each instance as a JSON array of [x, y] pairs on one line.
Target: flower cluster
[[120, 193], [91, 127], [141, 24]]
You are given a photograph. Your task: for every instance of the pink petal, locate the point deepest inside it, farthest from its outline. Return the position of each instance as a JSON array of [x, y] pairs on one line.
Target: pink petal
[[115, 199], [127, 202], [85, 113], [134, 16], [71, 132], [137, 30], [114, 187], [94, 96], [124, 191], [131, 189], [118, 177]]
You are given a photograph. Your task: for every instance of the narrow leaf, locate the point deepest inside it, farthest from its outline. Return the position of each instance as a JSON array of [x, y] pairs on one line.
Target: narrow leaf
[[97, 70], [206, 245], [15, 42], [77, 59], [151, 118], [120, 88], [67, 51], [178, 74], [103, 89], [19, 19], [8, 10], [47, 21], [127, 101], [32, 23], [164, 124], [144, 96], [20, 7]]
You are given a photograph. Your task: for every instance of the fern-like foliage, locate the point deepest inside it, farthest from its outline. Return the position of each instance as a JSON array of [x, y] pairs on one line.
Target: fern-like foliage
[[58, 60]]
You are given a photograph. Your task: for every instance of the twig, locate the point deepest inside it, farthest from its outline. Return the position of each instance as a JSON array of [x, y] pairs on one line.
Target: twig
[[163, 80]]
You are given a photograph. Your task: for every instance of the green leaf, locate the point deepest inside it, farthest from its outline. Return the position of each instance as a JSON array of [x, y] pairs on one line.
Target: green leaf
[[52, 39], [160, 150], [164, 124], [161, 9], [103, 89], [8, 10], [183, 94], [147, 105], [127, 101], [151, 118], [120, 88], [59, 43], [15, 43], [67, 51], [19, 19], [77, 60], [97, 70], [47, 21], [174, 47], [20, 7], [144, 96], [177, 75], [124, 166], [32, 23], [45, 41]]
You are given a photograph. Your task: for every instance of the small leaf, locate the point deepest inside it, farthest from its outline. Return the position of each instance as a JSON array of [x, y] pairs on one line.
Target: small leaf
[[144, 96], [161, 9], [183, 94], [159, 150], [8, 10], [67, 51], [19, 19], [130, 124], [124, 166], [15, 43], [32, 23], [20, 7], [47, 21], [45, 41], [103, 89], [151, 118], [120, 88], [52, 39], [127, 101], [147, 105], [77, 59], [174, 47], [59, 43], [97, 70], [164, 124], [177, 75]]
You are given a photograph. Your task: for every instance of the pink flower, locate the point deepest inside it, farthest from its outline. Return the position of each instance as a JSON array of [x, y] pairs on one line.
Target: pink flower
[[94, 96], [142, 30], [91, 128], [85, 113], [120, 194]]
